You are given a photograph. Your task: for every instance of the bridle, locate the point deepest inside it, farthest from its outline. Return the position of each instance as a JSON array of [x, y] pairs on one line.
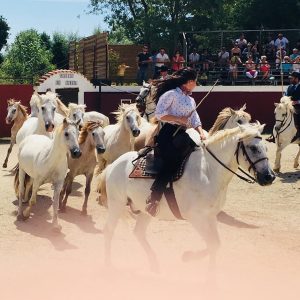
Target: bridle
[[284, 122], [142, 104], [241, 146]]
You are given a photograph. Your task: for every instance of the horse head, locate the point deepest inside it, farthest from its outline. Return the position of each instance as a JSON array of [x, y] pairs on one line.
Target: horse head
[[12, 111], [251, 153], [76, 113], [130, 117], [70, 137], [141, 97], [282, 111]]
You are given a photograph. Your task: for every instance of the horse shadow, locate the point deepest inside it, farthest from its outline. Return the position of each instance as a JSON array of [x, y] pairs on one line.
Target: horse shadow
[[289, 177], [39, 225], [224, 218], [84, 222]]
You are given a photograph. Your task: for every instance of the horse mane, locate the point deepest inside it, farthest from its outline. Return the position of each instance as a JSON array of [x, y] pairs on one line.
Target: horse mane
[[123, 109], [22, 108], [73, 106], [87, 126], [223, 117], [287, 101], [60, 105], [249, 132]]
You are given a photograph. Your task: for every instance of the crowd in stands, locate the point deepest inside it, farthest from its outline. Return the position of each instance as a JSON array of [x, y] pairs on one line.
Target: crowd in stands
[[245, 61]]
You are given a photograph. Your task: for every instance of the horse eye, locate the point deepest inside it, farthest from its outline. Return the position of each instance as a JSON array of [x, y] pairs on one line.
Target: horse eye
[[43, 108], [54, 109], [239, 121], [14, 110], [74, 115], [93, 133], [253, 148], [127, 118], [66, 134]]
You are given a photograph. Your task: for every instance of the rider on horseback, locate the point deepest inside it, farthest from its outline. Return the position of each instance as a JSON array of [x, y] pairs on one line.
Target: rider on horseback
[[177, 110]]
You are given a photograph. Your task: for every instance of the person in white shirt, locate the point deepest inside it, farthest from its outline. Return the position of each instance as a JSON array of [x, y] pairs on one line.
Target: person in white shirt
[[194, 58], [162, 58], [281, 42], [242, 42]]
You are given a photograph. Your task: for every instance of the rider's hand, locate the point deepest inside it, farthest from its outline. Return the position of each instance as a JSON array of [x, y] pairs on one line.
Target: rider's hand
[[294, 102], [202, 136]]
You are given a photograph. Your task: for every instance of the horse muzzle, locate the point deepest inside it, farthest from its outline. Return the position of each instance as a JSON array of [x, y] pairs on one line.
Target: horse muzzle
[[8, 120], [100, 149], [75, 152], [135, 132], [49, 126], [265, 178]]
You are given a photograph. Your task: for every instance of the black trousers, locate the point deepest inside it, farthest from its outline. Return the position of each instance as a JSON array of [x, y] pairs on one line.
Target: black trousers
[[297, 116], [172, 151]]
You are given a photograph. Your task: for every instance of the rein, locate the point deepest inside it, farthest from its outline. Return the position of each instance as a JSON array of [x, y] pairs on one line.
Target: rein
[[283, 122], [252, 164]]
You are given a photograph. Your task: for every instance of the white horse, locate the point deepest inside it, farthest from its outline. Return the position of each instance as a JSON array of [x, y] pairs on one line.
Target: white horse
[[200, 193], [119, 138], [45, 160], [78, 114], [16, 113], [45, 122], [284, 130], [91, 138]]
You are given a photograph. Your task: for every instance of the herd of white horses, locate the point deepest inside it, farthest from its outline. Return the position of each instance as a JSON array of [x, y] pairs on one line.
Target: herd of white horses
[[56, 143]]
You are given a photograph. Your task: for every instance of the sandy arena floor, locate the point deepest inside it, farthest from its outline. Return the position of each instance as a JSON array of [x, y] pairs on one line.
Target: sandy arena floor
[[259, 257]]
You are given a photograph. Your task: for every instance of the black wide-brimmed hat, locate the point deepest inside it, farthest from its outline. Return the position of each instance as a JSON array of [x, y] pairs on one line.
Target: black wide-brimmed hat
[[295, 74], [163, 68]]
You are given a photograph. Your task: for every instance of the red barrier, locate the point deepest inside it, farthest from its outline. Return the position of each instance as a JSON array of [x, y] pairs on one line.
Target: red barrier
[[17, 92]]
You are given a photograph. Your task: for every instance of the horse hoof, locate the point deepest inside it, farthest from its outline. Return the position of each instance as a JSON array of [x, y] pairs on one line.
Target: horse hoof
[[57, 229], [296, 166], [4, 165], [62, 210], [26, 213], [20, 218], [276, 170]]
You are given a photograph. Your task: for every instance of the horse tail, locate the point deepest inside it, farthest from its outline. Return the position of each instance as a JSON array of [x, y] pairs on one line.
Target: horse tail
[[16, 180], [15, 169], [101, 188]]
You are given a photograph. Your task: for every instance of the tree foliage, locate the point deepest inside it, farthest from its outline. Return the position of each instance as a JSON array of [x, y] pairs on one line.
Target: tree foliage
[[59, 48], [4, 32], [27, 58]]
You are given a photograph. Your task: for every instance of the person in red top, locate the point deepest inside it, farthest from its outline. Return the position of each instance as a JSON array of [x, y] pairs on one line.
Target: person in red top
[[177, 61]]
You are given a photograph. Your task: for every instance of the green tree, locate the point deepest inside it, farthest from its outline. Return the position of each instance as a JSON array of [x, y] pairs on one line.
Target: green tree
[[60, 44], [4, 29], [27, 58], [46, 40]]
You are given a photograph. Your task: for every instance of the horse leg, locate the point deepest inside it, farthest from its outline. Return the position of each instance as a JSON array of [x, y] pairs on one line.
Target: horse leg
[[87, 191], [142, 222], [28, 189], [32, 201], [277, 165], [206, 226], [21, 193], [296, 161], [115, 211], [8, 154], [57, 189], [66, 190]]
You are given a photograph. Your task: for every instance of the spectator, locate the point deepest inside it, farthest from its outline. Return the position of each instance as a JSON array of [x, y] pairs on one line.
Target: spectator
[[294, 55], [281, 42], [177, 61], [203, 79], [143, 59], [162, 58], [233, 67], [194, 58], [205, 59], [255, 52], [153, 62], [121, 73], [270, 49], [247, 51], [236, 51], [286, 65], [264, 68], [280, 54], [251, 71], [296, 64], [223, 58], [164, 73], [242, 42]]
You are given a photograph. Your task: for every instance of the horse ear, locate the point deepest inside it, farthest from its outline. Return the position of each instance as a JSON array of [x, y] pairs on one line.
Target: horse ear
[[276, 104], [261, 128], [65, 122], [243, 107], [232, 111]]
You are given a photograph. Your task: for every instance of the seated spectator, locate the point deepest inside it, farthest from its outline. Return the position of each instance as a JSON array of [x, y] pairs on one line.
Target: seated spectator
[[251, 71], [206, 60], [247, 51], [270, 49], [162, 58], [121, 73], [280, 54], [296, 64], [286, 65], [233, 67], [203, 79], [236, 51], [294, 55], [242, 42], [255, 52], [194, 58], [164, 73], [223, 58], [177, 61], [281, 42], [264, 68]]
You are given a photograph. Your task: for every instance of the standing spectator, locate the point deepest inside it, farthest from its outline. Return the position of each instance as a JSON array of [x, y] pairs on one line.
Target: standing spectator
[[280, 54], [162, 58], [194, 58], [164, 73], [281, 42], [242, 42], [153, 62], [286, 65], [223, 58], [247, 51], [296, 64], [177, 61], [236, 51], [143, 59], [233, 67], [206, 62], [251, 71], [255, 52], [264, 68], [121, 73], [270, 49]]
